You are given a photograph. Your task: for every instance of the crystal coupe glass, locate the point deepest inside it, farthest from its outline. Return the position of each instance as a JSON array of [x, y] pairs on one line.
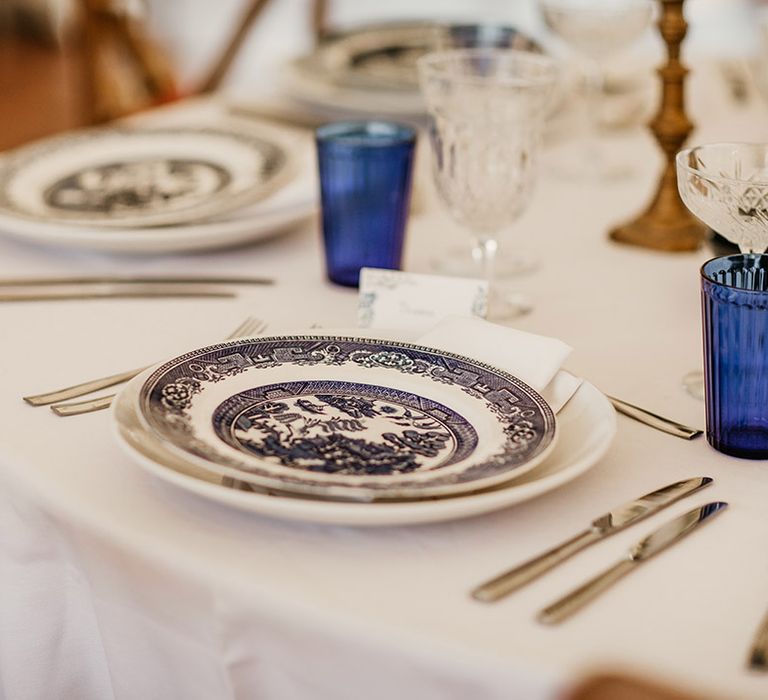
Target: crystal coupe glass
[[596, 30], [726, 186], [486, 109]]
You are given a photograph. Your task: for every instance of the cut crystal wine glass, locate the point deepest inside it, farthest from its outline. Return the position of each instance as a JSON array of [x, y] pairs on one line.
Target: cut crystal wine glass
[[486, 108], [596, 30]]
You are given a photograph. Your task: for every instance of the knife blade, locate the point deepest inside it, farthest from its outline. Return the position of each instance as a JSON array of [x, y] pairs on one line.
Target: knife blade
[[657, 541], [606, 525], [145, 291], [129, 280]]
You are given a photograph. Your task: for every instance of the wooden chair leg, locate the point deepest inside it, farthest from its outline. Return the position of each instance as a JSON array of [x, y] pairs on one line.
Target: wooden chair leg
[[224, 63]]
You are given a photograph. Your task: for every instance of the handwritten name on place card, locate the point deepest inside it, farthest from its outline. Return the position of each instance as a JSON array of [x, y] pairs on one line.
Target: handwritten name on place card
[[393, 299]]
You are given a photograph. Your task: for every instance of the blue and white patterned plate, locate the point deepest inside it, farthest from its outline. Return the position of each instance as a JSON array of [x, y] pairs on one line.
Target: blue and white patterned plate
[[344, 417], [138, 177]]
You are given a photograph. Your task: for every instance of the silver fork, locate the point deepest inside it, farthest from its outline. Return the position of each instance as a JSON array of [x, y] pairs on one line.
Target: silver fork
[[250, 326], [76, 408]]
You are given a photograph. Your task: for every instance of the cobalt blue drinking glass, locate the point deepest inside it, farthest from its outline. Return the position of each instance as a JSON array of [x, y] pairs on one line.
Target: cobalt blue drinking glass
[[365, 188], [734, 296]]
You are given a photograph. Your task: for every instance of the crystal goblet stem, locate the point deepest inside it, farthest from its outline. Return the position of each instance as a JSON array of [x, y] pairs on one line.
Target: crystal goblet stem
[[500, 306], [484, 254]]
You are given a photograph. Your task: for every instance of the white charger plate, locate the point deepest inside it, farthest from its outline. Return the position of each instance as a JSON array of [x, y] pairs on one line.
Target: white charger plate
[[291, 205], [140, 176], [347, 417], [586, 425], [264, 220]]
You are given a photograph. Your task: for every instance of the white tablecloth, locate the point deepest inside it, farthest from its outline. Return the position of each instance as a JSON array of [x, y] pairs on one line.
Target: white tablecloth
[[113, 585]]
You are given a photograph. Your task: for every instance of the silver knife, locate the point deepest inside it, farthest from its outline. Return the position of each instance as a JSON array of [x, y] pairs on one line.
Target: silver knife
[[604, 526], [654, 543], [143, 291], [130, 280]]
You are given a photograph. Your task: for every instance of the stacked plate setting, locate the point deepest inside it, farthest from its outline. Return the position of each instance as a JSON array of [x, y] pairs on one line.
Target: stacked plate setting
[[354, 430], [372, 69], [150, 188]]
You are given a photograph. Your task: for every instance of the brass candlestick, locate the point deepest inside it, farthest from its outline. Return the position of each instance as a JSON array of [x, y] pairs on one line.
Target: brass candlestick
[[667, 224]]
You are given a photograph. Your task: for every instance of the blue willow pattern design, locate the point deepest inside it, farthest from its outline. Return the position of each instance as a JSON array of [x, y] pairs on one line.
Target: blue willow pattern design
[[281, 423], [344, 428]]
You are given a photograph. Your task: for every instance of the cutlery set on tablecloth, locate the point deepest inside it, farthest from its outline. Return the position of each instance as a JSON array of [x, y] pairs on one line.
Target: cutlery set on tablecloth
[[606, 525]]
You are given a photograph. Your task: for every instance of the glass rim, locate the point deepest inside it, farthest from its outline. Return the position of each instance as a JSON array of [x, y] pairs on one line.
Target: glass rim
[[355, 132], [706, 278], [428, 65], [682, 156]]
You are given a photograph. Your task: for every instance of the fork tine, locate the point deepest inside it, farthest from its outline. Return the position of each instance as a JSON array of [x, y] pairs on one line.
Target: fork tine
[[242, 328], [250, 327]]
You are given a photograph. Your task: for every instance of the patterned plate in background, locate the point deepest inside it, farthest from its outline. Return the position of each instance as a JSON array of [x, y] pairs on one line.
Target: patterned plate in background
[[138, 177]]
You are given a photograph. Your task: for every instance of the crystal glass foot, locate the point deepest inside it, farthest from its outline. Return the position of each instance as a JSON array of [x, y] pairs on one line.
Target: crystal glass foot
[[595, 30], [486, 107], [464, 261], [693, 383]]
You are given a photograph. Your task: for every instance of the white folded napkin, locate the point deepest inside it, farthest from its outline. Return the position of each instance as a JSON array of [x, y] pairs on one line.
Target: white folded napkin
[[536, 359]]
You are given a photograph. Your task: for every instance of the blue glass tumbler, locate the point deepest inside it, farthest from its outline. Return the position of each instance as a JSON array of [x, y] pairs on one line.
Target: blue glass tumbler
[[365, 189], [734, 295]]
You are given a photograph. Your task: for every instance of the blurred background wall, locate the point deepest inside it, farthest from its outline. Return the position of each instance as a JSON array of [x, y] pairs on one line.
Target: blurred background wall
[[46, 58]]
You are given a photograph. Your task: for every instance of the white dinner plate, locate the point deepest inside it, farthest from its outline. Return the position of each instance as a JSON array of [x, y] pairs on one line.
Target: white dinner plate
[[586, 425], [140, 176], [347, 417]]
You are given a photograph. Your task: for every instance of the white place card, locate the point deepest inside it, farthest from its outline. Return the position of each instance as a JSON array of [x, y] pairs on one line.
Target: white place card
[[409, 301]]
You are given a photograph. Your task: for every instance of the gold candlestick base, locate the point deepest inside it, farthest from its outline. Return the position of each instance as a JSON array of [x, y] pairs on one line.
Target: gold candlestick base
[[669, 236], [666, 224]]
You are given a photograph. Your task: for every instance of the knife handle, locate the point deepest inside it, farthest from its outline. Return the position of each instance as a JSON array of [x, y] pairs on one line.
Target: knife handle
[[666, 425], [509, 581], [577, 599]]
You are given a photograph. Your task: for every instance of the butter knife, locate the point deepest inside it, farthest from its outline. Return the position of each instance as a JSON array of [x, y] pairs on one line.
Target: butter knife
[[602, 527], [656, 542]]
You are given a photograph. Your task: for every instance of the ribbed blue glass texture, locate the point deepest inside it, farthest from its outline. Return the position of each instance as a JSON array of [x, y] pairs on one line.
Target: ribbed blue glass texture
[[734, 295], [365, 188]]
